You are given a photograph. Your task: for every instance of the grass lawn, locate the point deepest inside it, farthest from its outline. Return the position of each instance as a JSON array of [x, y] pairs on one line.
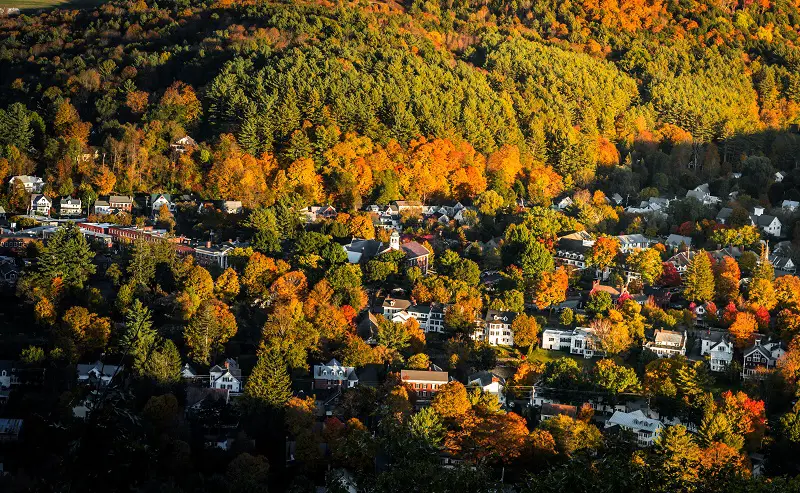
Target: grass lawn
[[545, 356], [47, 4]]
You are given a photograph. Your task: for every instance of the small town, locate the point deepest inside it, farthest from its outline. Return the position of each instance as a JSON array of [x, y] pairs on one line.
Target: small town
[[399, 246]]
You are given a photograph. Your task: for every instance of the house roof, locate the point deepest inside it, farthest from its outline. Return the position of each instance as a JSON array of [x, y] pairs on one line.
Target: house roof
[[99, 367], [549, 409], [485, 378], [120, 198], [763, 220], [70, 201], [678, 239], [635, 421], [414, 250], [232, 367], [669, 337], [724, 213], [500, 316], [367, 248], [400, 303], [424, 375], [632, 239]]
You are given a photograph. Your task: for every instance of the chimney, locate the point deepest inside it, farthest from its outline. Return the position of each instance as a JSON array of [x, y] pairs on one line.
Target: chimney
[[227, 364], [208, 244]]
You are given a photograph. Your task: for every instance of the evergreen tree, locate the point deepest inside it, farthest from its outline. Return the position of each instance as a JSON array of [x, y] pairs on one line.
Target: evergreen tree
[[248, 131], [266, 237], [66, 256], [164, 364], [699, 284], [139, 337], [269, 383]]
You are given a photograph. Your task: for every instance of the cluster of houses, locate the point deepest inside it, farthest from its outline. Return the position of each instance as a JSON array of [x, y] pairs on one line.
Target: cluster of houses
[[390, 216]]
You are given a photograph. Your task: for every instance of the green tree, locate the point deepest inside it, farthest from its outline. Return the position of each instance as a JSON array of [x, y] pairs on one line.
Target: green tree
[[599, 303], [32, 355], [678, 458], [266, 234], [66, 256], [647, 263], [164, 364], [699, 283], [614, 378], [535, 260], [427, 426], [139, 337], [269, 383], [393, 335]]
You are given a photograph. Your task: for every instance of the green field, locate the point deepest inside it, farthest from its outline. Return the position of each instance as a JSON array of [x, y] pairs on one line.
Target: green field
[[47, 4]]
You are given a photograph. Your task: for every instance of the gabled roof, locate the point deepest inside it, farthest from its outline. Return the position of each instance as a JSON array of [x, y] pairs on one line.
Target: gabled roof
[[400, 303], [634, 421], [763, 220], [500, 316], [120, 199], [485, 378], [414, 250], [424, 376], [367, 248], [678, 239]]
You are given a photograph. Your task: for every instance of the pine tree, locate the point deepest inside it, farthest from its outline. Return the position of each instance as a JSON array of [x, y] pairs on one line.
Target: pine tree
[[699, 285], [269, 383], [248, 131], [66, 256], [139, 337], [200, 334], [164, 365]]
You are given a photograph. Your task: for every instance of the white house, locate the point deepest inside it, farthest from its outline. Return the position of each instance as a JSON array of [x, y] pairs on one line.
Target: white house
[[495, 328], [334, 375], [158, 200], [40, 205], [654, 205], [489, 383], [630, 243], [779, 176], [96, 372], [667, 343], [790, 205], [101, 207], [703, 194], [645, 429], [581, 340], [767, 223], [232, 206], [69, 207], [429, 316], [32, 184], [226, 377], [718, 347]]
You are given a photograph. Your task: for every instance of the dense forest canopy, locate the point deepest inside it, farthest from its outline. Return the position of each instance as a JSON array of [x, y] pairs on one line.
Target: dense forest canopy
[[571, 86]]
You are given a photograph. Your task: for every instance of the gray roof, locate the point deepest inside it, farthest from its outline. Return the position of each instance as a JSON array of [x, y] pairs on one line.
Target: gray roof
[[763, 220], [367, 248], [724, 213], [485, 378], [500, 316], [120, 198]]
